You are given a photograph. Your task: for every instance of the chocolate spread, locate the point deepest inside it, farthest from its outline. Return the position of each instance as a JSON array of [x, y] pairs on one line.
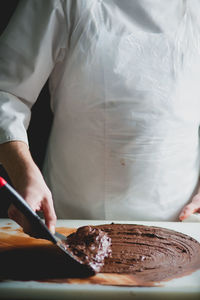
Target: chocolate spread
[[141, 255], [151, 253]]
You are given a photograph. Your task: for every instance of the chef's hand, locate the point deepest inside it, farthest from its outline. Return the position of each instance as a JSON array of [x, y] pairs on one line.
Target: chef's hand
[[28, 181], [192, 207], [35, 192]]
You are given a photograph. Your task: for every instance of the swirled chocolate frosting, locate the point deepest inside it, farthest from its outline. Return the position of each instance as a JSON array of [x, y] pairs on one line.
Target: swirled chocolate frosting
[[151, 253]]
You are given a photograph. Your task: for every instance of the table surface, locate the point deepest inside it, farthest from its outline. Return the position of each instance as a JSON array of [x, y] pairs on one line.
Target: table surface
[[184, 287]]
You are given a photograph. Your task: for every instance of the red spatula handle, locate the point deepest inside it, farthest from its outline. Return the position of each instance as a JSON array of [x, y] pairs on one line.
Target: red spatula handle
[[2, 182]]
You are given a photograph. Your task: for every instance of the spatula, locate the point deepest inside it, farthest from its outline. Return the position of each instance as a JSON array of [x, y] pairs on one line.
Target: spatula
[[40, 229]]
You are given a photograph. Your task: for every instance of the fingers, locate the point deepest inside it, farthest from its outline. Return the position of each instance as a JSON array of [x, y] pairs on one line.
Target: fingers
[[32, 187], [189, 209], [49, 214]]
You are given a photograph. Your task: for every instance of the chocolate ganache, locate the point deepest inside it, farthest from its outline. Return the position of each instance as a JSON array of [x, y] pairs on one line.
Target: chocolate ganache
[[148, 252], [90, 245]]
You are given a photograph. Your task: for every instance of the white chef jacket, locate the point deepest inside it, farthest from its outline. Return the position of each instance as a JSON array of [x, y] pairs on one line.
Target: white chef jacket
[[125, 93]]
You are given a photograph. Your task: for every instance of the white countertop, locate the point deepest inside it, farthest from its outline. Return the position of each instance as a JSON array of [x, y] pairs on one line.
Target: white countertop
[[187, 287]]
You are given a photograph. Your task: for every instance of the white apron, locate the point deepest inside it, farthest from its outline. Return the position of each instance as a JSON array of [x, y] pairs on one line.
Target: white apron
[[126, 100], [125, 141]]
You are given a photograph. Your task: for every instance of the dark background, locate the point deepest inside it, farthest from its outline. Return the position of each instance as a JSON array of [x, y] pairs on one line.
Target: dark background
[[41, 119]]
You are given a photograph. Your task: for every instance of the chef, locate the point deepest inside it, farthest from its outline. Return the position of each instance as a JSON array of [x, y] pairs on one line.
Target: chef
[[124, 81]]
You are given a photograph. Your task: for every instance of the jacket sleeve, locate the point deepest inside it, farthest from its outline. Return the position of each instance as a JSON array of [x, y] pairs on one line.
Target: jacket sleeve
[[29, 49]]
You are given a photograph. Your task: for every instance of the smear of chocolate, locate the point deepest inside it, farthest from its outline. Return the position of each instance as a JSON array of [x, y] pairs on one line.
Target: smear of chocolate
[[151, 253], [6, 228]]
